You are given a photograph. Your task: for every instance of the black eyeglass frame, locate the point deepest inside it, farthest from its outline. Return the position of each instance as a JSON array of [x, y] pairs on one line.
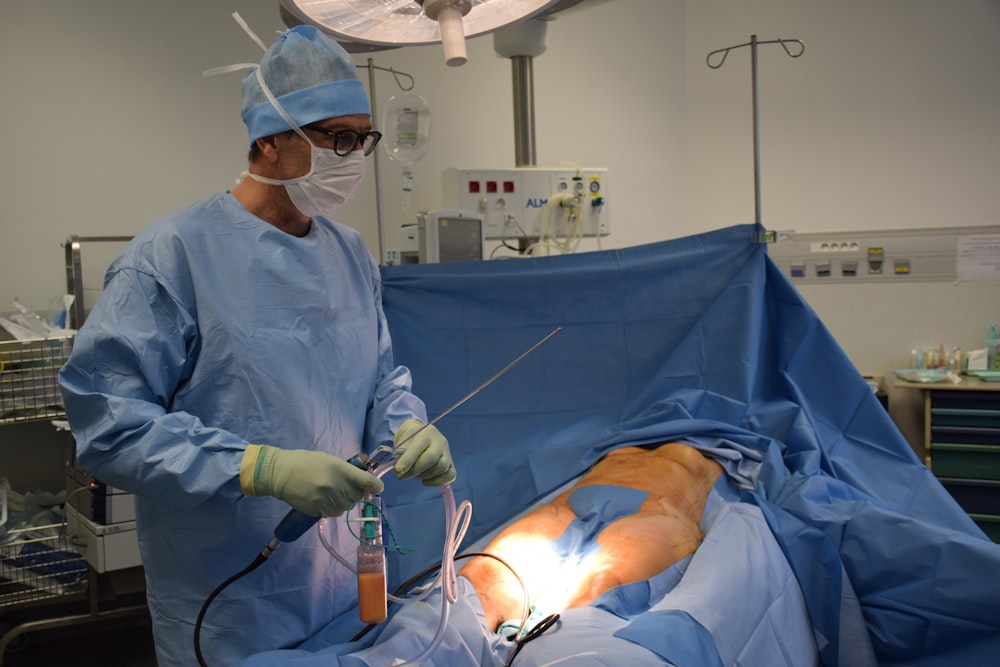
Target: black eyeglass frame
[[342, 137]]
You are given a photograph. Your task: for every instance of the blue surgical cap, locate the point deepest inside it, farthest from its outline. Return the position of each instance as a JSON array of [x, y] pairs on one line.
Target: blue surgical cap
[[312, 77]]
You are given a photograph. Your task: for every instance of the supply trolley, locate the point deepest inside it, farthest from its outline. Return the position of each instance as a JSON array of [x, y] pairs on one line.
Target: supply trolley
[[37, 562], [47, 576]]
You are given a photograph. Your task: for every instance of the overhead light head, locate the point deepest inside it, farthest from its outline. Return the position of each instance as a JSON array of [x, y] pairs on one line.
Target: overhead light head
[[392, 23]]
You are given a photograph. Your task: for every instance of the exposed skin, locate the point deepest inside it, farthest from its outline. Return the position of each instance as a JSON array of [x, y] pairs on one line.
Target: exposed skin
[[284, 156], [633, 548]]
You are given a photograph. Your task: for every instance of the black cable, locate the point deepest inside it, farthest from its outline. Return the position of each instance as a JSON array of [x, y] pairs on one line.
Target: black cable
[[534, 633], [261, 557], [264, 555]]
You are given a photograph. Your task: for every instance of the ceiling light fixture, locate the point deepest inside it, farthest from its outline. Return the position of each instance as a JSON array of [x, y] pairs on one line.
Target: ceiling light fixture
[[369, 25]]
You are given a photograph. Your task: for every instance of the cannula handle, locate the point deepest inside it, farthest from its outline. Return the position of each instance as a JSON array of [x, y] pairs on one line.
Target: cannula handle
[[294, 525]]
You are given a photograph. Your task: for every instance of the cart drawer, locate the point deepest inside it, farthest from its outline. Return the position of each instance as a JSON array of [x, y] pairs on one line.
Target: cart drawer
[[990, 525], [966, 400], [966, 460], [988, 419], [976, 496], [968, 435]]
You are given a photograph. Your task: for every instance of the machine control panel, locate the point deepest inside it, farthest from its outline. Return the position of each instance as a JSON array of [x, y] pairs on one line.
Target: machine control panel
[[530, 202]]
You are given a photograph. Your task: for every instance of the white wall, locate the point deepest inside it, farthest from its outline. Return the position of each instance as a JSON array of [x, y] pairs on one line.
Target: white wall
[[890, 119]]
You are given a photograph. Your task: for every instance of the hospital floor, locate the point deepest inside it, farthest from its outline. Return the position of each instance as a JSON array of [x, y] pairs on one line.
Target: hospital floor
[[113, 643]]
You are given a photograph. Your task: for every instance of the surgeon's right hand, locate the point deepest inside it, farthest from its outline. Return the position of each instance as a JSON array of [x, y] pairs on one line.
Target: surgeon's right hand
[[314, 483]]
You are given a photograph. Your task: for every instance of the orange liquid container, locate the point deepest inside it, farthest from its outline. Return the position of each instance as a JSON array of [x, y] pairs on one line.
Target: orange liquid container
[[372, 606], [371, 597]]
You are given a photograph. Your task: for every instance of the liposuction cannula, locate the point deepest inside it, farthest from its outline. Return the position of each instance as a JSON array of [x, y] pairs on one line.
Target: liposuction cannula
[[295, 523]]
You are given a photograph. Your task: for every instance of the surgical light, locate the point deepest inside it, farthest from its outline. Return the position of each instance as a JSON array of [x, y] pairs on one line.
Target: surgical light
[[392, 23]]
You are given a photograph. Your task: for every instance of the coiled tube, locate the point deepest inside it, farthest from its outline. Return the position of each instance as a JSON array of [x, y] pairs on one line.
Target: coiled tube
[[456, 520], [456, 523]]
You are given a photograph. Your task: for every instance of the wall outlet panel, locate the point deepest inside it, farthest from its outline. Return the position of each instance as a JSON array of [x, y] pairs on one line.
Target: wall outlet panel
[[915, 255]]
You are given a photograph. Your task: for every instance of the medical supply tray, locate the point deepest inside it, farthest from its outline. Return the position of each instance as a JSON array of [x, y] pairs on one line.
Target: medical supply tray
[[29, 386], [38, 563]]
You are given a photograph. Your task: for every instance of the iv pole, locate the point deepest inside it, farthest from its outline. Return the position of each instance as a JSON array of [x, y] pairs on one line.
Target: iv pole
[[753, 44], [380, 216]]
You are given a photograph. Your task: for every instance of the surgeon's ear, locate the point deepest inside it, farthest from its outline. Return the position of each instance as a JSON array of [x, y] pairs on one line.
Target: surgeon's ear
[[268, 147]]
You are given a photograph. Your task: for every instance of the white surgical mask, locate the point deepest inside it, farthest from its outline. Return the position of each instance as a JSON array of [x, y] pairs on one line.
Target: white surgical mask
[[332, 180]]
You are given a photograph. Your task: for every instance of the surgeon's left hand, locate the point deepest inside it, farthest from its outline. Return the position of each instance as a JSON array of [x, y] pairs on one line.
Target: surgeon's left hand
[[426, 455]]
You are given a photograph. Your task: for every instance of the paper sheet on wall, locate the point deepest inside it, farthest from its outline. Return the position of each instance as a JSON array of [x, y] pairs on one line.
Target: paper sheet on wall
[[979, 257]]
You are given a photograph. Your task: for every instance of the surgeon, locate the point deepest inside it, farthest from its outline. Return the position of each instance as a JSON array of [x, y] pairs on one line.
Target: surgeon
[[237, 356]]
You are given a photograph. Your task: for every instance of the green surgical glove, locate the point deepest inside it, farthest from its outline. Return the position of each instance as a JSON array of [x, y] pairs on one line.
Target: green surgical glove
[[314, 483], [426, 455]]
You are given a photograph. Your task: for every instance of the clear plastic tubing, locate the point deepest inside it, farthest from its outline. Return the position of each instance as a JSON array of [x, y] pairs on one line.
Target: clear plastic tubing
[[456, 520]]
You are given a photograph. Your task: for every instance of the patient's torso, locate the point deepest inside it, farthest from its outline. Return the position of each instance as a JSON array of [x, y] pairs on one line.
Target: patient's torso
[[676, 476], [634, 544]]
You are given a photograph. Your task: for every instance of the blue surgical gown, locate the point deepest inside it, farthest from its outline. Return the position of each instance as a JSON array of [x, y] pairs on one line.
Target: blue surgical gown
[[214, 330]]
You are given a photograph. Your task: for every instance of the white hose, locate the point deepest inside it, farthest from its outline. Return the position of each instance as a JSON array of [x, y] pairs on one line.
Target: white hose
[[456, 523]]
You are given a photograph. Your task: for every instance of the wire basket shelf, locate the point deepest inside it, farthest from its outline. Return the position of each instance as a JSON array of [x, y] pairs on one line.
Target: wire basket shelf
[[29, 384], [39, 563]]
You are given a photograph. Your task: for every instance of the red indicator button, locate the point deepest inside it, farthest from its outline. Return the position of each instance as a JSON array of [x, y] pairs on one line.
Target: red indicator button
[[491, 186], [508, 186], [474, 186]]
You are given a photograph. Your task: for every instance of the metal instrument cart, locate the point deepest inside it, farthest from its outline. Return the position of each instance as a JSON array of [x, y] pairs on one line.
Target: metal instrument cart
[[45, 582]]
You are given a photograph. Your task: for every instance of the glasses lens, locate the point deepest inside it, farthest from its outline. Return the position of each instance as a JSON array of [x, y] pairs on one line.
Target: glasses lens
[[370, 141], [345, 141]]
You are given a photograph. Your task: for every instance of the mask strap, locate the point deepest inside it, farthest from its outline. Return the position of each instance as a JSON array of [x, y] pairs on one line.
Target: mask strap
[[277, 107]]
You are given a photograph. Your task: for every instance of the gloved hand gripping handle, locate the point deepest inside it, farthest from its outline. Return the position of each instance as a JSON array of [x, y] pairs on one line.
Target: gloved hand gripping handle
[[296, 523]]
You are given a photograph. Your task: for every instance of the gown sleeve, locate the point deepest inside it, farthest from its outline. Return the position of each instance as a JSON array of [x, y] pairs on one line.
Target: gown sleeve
[[136, 347]]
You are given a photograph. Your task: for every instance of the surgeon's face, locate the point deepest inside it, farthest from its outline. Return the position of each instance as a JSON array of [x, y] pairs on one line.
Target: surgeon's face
[[343, 135], [295, 153]]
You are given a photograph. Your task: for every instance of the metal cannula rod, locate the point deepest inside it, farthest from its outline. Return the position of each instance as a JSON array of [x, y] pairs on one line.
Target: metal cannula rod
[[478, 389]]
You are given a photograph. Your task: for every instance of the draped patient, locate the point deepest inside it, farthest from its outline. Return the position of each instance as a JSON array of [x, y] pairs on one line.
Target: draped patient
[[632, 515]]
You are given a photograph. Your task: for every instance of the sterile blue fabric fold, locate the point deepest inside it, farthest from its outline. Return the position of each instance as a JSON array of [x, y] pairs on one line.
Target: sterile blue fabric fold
[[849, 552], [695, 338]]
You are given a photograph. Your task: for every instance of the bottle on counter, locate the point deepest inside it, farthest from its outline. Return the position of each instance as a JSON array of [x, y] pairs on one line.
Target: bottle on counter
[[993, 349]]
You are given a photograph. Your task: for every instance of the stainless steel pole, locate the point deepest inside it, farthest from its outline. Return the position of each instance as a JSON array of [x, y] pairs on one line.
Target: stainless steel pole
[[756, 131], [524, 111], [378, 169]]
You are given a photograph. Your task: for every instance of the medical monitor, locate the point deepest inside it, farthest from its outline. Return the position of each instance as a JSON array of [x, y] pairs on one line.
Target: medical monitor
[[450, 236]]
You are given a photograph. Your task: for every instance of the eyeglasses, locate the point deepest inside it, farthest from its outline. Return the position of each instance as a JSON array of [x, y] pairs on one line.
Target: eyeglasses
[[347, 141]]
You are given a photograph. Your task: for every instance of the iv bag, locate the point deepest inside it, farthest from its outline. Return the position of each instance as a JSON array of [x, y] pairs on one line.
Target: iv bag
[[407, 128]]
